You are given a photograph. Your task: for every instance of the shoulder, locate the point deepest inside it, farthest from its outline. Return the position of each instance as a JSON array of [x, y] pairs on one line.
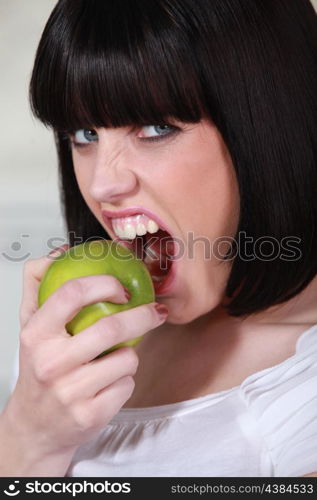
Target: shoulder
[[282, 400]]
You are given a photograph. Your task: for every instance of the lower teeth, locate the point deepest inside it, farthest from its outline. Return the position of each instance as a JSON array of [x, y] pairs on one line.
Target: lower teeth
[[157, 278]]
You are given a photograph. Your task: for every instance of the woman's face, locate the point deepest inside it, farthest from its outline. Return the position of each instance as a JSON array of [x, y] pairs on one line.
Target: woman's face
[[185, 176]]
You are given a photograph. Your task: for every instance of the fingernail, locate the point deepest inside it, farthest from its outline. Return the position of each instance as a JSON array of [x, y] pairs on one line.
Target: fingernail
[[58, 250], [127, 294], [161, 310]]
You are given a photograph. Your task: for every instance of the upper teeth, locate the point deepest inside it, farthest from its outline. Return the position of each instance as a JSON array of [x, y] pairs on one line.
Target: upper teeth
[[132, 226]]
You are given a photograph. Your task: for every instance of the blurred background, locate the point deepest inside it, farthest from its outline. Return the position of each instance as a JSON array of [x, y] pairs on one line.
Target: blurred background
[[30, 216], [29, 200]]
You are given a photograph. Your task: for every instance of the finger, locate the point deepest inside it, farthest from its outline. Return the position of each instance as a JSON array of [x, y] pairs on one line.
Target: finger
[[117, 393], [33, 272], [57, 251], [87, 380], [112, 330], [85, 346], [103, 407], [65, 302]]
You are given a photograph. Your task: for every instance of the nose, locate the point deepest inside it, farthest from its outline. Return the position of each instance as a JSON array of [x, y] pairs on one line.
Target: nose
[[113, 177]]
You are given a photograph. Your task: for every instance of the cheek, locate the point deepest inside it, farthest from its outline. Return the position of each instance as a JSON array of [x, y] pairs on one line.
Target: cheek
[[83, 173], [204, 187], [220, 196]]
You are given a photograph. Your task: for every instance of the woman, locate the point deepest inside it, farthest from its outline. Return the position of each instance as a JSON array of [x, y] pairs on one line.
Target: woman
[[199, 118]]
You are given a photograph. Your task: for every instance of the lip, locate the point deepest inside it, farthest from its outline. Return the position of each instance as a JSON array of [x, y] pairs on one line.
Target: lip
[[107, 215], [166, 286]]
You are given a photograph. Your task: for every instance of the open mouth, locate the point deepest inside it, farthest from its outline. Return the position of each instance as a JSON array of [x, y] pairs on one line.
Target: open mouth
[[156, 250], [146, 235]]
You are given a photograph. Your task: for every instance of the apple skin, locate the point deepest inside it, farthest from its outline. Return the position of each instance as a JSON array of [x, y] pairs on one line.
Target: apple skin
[[99, 257]]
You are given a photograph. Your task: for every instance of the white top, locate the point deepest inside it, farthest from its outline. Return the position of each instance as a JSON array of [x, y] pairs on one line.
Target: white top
[[265, 427]]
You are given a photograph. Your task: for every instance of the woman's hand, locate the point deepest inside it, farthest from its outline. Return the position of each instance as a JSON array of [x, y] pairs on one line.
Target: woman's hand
[[64, 396]]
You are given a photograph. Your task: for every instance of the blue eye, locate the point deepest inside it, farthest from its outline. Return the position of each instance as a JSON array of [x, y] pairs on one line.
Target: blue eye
[[159, 131], [84, 136]]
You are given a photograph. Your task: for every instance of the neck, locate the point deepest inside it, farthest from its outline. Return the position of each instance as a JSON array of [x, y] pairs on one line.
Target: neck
[[300, 310]]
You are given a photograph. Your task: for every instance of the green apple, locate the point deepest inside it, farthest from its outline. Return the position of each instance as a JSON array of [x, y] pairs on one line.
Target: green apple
[[99, 257]]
